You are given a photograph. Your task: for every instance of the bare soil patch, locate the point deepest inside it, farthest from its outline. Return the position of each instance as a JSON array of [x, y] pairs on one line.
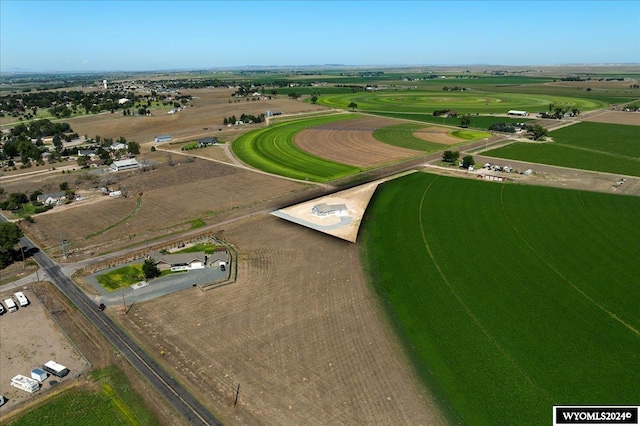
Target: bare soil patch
[[352, 142], [437, 135], [173, 196], [615, 117], [30, 337], [300, 332]]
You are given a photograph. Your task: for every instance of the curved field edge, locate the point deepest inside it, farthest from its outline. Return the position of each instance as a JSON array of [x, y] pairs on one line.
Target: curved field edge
[[401, 135], [272, 150], [487, 287], [468, 102]]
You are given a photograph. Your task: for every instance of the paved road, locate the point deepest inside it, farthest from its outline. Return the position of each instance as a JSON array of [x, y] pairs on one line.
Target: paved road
[[177, 396]]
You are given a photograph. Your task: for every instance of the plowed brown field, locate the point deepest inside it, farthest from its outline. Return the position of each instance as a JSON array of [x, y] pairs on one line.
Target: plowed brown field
[[172, 196], [300, 332], [615, 117], [352, 142], [437, 135]]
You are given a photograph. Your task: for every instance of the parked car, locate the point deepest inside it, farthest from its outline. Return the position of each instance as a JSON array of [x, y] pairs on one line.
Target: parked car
[[2, 311], [102, 307]]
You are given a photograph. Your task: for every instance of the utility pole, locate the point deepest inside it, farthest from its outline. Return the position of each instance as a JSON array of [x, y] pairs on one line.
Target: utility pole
[[124, 304], [64, 249]]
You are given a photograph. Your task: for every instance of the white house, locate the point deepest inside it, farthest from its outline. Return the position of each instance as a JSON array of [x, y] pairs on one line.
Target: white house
[[179, 261], [117, 146], [52, 198], [324, 209], [120, 165], [123, 101]]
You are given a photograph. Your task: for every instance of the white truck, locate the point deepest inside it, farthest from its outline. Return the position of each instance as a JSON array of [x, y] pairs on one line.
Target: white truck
[[25, 383], [55, 369], [22, 299], [11, 305]]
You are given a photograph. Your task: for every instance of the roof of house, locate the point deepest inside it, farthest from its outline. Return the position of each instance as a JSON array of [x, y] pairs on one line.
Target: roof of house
[[124, 163], [209, 139], [178, 258], [218, 255], [51, 195], [326, 208]]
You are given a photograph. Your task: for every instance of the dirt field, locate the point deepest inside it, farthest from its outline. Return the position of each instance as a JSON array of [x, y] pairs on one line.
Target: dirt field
[[437, 135], [30, 338], [210, 107], [615, 117], [300, 332], [352, 142], [172, 197]]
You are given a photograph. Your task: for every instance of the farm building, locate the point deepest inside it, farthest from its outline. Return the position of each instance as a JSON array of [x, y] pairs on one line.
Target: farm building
[[211, 140], [163, 138], [120, 165], [325, 209], [117, 146], [52, 198], [179, 261], [270, 113], [518, 113]]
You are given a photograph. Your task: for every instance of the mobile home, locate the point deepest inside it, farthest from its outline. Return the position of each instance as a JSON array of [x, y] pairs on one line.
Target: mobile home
[[25, 383]]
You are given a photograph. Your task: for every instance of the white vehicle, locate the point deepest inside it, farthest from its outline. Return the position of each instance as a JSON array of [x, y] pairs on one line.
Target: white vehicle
[[22, 299], [11, 305], [39, 374], [55, 369], [25, 383], [3, 400], [1, 309]]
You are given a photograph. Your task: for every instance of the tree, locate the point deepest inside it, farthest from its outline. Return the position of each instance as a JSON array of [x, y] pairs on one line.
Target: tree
[[450, 156], [465, 121], [149, 269], [467, 161], [133, 148], [64, 186], [294, 95], [57, 143], [10, 235], [352, 106], [537, 132], [314, 99]]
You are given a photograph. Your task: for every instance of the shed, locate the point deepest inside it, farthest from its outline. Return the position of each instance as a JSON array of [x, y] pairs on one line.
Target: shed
[[324, 209], [39, 374], [121, 165], [518, 113], [163, 138]]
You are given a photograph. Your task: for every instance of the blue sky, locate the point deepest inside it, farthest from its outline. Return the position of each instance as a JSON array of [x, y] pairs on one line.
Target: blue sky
[[162, 35]]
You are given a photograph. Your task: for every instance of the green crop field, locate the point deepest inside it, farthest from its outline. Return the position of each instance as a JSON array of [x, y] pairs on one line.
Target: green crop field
[[272, 150], [401, 135], [468, 102], [509, 299], [613, 148], [114, 404]]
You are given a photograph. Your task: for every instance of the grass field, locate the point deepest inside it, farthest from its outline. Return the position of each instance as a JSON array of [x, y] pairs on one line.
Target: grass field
[[114, 404], [272, 150], [402, 135], [470, 102], [613, 148], [477, 121], [509, 299], [470, 135], [121, 277]]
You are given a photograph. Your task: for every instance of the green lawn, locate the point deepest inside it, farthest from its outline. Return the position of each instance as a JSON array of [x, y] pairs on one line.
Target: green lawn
[[272, 150], [205, 247], [121, 277], [612, 148], [401, 135], [509, 299]]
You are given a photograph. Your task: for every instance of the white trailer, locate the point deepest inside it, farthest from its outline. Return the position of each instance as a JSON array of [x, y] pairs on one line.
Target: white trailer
[[25, 383], [55, 369], [22, 299], [11, 305]]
